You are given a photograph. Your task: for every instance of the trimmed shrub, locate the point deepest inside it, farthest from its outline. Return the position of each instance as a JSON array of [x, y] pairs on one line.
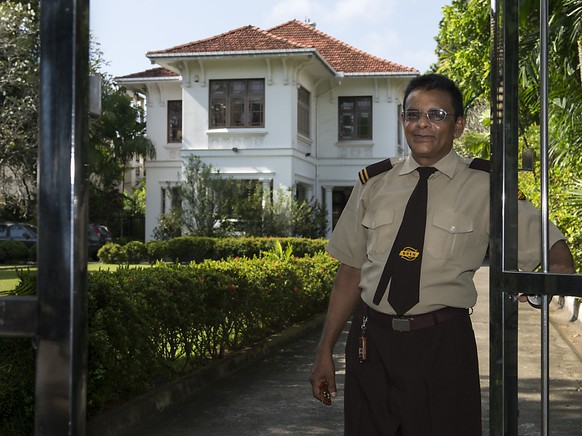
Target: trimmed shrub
[[136, 252], [13, 251], [112, 253], [150, 325]]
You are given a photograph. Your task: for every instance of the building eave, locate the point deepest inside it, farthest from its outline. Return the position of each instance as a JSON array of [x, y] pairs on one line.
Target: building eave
[[161, 58]]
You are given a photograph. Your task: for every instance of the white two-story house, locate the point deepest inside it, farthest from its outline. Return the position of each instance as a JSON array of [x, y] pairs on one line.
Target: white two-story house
[[290, 107]]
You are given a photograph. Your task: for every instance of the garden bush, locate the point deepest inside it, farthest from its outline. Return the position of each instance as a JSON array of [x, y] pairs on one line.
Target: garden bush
[[14, 252], [151, 325], [185, 249]]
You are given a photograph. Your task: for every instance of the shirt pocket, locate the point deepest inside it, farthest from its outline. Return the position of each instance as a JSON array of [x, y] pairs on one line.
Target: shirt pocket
[[380, 229], [448, 235]]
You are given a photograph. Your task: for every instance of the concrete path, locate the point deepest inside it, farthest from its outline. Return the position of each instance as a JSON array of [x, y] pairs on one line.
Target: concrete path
[[273, 397]]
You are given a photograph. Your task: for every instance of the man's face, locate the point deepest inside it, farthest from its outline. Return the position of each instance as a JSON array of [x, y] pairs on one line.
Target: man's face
[[430, 141]]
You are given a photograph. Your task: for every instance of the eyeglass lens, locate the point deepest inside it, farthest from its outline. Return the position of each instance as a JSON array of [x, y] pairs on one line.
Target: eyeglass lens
[[434, 115]]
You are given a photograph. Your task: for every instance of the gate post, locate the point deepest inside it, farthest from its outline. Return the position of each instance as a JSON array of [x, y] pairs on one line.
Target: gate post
[[60, 399], [503, 408]]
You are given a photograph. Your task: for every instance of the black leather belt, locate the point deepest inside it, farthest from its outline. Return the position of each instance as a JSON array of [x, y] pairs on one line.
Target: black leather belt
[[416, 322]]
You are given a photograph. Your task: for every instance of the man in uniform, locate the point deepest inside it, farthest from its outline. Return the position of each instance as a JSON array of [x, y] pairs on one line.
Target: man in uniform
[[411, 357]]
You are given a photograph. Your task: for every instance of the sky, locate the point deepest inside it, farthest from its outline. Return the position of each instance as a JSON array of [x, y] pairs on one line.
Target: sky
[[400, 31]]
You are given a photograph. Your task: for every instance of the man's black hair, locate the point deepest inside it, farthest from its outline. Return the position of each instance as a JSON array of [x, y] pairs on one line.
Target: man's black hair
[[430, 82]]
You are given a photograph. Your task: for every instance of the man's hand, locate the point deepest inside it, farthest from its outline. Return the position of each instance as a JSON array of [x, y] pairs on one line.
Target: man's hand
[[561, 262], [322, 379]]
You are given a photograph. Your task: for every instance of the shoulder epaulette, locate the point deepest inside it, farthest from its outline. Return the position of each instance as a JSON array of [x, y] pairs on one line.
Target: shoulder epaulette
[[480, 164], [374, 170]]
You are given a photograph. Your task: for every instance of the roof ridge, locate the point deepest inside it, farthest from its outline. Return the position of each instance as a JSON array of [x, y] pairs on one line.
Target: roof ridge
[[210, 38], [334, 39], [223, 34]]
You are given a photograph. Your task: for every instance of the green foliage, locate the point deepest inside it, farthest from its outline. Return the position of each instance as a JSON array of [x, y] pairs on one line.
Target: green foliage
[[112, 253], [212, 204], [115, 137], [13, 251], [186, 249], [19, 84], [277, 252], [169, 226], [134, 203], [150, 325], [16, 387], [199, 193], [308, 220], [136, 252], [463, 48]]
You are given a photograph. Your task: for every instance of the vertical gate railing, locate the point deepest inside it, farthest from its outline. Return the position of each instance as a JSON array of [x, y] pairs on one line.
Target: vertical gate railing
[[57, 317], [506, 281]]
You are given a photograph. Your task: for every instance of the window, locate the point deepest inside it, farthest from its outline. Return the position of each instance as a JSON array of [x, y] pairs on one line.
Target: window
[[237, 103], [303, 97], [355, 118], [175, 121]]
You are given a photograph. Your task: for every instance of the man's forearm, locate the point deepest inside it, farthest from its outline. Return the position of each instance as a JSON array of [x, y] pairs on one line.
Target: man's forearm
[[344, 297], [561, 260]]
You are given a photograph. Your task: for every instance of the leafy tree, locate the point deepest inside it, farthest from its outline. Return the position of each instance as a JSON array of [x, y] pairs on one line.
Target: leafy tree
[[116, 137], [207, 198], [463, 48], [19, 79], [199, 193], [135, 202]]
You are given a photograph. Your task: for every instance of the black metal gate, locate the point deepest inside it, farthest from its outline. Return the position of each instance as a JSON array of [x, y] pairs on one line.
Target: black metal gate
[[506, 281], [56, 318]]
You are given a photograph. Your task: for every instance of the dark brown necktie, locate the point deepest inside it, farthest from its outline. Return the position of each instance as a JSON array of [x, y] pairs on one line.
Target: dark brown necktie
[[402, 268]]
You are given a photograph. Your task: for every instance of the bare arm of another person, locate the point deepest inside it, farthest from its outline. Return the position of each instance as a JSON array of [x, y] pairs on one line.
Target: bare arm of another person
[[345, 295], [561, 261]]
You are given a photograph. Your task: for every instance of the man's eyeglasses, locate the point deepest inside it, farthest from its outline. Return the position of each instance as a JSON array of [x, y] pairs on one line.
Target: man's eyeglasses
[[433, 115]]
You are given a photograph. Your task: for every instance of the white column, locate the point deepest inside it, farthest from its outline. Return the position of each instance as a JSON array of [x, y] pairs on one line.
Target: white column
[[329, 208], [266, 192], [309, 193]]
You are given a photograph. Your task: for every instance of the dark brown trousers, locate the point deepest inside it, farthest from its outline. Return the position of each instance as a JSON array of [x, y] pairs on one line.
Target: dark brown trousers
[[418, 383]]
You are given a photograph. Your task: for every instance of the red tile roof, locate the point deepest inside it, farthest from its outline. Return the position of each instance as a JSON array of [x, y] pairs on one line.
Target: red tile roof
[[153, 73], [247, 38], [292, 35], [341, 56]]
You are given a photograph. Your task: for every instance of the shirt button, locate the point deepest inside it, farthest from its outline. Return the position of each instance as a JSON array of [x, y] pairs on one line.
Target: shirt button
[[453, 228]]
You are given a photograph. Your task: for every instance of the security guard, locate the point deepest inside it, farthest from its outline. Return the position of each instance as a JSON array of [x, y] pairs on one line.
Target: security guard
[[412, 370]]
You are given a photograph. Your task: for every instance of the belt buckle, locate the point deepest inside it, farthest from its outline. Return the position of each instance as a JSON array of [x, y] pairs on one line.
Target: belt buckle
[[401, 324]]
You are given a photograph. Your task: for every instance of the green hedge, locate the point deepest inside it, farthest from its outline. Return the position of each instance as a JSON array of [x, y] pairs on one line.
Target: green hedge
[[16, 252], [150, 325], [197, 249]]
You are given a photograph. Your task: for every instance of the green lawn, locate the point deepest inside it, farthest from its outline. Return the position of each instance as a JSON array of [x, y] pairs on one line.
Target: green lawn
[[9, 277]]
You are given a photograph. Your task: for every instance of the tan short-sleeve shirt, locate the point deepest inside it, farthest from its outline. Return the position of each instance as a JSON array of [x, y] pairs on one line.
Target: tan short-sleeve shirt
[[457, 231]]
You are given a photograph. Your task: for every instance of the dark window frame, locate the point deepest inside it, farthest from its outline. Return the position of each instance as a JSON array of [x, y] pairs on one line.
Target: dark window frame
[[355, 118], [174, 121], [303, 112], [236, 103]]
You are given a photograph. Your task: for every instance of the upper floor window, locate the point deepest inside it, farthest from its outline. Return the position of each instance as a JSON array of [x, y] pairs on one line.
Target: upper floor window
[[175, 121], [303, 115], [355, 118], [237, 103]]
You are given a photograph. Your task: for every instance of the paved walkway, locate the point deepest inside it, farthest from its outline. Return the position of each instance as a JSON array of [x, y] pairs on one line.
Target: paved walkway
[[273, 397]]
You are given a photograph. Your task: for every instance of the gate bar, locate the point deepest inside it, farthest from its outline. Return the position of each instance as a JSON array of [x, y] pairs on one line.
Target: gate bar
[[503, 321], [61, 373], [544, 313]]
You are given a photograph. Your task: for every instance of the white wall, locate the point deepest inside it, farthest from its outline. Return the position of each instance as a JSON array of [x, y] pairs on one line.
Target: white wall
[[275, 152]]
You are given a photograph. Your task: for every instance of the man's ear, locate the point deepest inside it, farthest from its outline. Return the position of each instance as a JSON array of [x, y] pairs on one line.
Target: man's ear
[[459, 126]]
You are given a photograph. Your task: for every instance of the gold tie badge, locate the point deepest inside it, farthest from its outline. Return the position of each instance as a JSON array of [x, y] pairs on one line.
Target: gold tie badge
[[409, 253]]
